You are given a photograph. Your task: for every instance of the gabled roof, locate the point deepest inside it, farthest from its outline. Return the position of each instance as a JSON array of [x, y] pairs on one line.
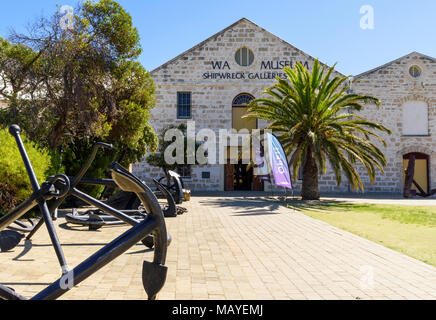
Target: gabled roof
[[392, 62], [226, 29]]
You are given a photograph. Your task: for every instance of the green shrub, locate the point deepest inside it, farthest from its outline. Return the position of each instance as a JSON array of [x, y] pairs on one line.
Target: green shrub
[[75, 156], [14, 181]]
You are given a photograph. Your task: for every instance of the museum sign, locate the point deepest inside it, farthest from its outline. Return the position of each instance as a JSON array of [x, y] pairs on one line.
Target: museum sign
[[268, 70]]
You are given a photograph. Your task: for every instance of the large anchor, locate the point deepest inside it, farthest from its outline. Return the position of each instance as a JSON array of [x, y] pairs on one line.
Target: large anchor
[[96, 219], [153, 274], [93, 219], [60, 187], [176, 187]]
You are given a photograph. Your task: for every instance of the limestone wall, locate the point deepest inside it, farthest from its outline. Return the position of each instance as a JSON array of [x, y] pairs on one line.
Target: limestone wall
[[394, 86], [212, 97], [214, 89]]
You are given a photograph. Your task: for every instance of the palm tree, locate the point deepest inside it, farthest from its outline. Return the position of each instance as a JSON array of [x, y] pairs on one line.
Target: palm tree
[[312, 113]]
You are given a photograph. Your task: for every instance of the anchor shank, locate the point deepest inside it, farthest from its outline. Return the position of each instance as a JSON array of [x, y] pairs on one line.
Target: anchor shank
[[101, 258]]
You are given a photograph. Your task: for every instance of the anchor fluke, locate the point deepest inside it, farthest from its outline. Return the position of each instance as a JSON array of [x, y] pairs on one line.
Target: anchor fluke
[[9, 239], [153, 278]]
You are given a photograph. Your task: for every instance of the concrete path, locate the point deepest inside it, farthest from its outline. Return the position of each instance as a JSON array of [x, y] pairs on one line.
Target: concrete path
[[232, 248]]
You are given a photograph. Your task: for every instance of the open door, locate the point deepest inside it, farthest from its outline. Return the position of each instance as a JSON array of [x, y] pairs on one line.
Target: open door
[[421, 174], [229, 184]]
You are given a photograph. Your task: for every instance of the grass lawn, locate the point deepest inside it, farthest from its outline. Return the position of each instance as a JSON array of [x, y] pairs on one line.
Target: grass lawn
[[408, 229]]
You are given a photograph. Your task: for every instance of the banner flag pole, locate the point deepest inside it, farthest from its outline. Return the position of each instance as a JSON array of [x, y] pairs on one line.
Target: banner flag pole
[[271, 162]]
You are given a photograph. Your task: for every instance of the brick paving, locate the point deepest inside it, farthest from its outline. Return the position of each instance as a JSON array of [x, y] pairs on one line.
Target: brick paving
[[231, 247]]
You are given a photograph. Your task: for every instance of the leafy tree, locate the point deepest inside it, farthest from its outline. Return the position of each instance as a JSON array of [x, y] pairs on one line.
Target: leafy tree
[[14, 182], [75, 86], [158, 159], [312, 113]]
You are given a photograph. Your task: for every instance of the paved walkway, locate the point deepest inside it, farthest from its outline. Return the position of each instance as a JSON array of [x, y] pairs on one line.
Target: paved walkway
[[232, 248]]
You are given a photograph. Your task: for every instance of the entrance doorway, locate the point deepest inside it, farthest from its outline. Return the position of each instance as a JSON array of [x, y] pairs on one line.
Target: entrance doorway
[[421, 176], [239, 177], [243, 177]]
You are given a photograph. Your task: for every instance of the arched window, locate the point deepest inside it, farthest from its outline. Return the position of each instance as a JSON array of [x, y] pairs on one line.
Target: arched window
[[242, 100], [240, 107], [415, 118]]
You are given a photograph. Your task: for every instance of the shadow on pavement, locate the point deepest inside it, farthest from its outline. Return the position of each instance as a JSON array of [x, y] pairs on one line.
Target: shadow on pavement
[[245, 206], [324, 205], [260, 203]]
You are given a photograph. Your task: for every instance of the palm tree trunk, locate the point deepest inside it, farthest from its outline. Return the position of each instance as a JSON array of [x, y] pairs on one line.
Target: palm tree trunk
[[310, 179]]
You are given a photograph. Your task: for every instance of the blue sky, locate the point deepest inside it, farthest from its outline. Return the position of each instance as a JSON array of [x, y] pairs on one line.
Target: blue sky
[[328, 30]]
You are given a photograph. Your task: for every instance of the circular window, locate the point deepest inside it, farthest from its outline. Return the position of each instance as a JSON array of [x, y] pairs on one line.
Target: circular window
[[244, 57], [415, 71]]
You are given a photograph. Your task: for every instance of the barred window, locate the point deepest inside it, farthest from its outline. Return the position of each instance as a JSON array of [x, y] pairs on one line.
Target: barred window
[[244, 57], [185, 171], [183, 105], [415, 71]]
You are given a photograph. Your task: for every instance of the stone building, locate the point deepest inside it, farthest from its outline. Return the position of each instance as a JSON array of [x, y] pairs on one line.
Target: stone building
[[212, 82], [407, 90]]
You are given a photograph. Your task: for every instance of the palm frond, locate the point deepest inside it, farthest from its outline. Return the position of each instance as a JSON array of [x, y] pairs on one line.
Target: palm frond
[[314, 115]]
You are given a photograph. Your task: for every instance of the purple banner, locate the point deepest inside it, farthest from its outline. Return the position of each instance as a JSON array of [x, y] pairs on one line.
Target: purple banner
[[278, 162]]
